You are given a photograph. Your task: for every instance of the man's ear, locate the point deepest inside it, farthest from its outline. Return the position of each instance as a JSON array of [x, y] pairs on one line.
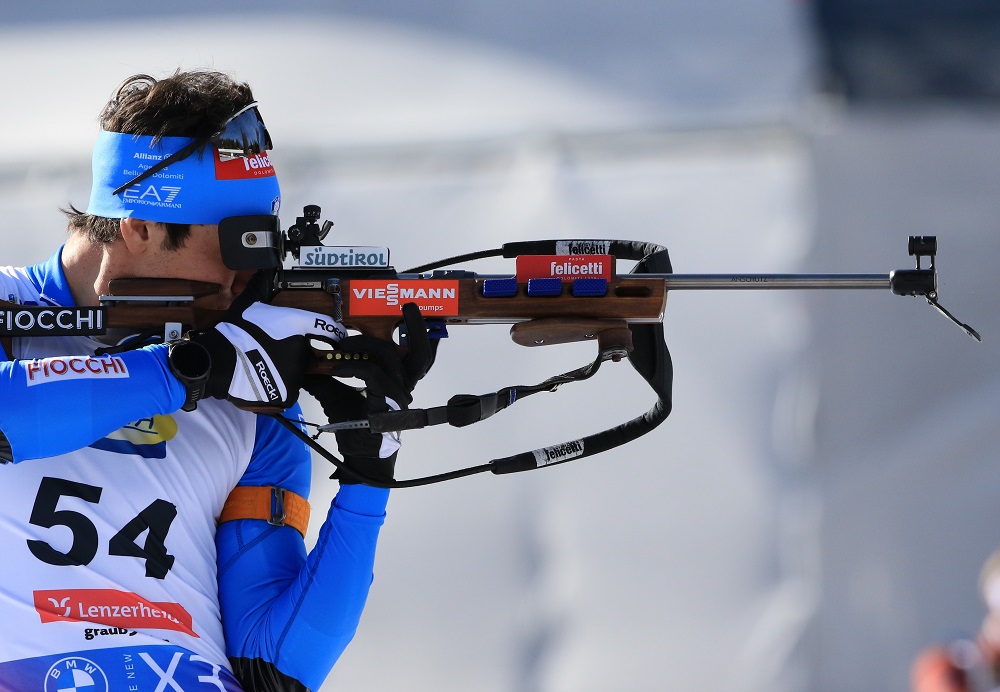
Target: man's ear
[[138, 234]]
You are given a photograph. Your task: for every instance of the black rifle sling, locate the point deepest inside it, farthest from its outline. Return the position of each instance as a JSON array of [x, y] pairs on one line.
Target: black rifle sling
[[650, 357]]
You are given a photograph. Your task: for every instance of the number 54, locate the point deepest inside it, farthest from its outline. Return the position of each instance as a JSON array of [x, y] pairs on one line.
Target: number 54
[[156, 518]]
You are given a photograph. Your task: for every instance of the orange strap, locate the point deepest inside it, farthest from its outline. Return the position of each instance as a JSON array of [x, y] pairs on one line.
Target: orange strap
[[272, 504]]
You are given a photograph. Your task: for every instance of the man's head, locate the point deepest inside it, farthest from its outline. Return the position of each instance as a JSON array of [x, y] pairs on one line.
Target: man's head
[[186, 104], [149, 119]]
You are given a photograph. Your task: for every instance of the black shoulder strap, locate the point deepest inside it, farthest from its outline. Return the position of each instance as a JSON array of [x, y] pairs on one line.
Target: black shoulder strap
[[7, 343], [649, 356]]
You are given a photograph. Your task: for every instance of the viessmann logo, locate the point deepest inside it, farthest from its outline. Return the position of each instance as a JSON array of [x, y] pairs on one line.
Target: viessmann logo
[[110, 607], [433, 297]]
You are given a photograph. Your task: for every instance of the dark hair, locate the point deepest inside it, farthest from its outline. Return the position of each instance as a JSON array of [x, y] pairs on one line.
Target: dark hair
[[195, 103]]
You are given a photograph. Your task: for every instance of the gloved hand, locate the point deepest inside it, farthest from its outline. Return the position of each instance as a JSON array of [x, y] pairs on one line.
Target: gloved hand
[[259, 352], [389, 381]]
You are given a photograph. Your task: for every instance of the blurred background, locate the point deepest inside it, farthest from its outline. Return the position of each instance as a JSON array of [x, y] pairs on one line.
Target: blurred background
[[817, 507]]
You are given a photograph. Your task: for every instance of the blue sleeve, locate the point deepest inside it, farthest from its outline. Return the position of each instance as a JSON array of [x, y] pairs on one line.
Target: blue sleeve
[[96, 395], [297, 611]]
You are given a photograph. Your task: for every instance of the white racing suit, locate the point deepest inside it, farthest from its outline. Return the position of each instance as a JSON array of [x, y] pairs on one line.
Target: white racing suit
[[115, 574]]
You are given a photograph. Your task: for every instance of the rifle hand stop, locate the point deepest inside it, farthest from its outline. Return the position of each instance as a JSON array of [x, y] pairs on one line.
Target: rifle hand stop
[[614, 338], [923, 281]]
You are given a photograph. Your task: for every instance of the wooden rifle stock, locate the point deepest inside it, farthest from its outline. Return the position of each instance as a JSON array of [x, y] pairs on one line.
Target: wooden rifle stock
[[537, 320]]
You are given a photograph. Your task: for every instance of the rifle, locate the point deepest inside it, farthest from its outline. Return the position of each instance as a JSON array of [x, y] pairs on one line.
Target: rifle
[[562, 291]]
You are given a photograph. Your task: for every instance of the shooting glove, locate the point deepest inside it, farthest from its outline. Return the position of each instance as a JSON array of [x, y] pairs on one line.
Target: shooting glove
[[259, 352], [389, 381]]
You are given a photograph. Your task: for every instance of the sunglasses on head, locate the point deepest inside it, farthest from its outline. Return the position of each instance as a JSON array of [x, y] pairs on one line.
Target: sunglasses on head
[[243, 134]]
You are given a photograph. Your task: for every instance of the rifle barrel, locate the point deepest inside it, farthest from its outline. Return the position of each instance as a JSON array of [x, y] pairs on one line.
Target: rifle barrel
[[745, 282], [764, 282]]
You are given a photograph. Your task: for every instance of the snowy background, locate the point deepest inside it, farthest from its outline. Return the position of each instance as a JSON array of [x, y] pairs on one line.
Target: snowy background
[[818, 505]]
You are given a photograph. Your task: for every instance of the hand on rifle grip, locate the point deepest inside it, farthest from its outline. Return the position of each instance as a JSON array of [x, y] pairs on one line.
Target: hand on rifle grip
[[389, 377], [259, 352]]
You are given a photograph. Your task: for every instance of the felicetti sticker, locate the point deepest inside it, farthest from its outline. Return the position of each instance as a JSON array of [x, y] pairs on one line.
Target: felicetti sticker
[[228, 167], [387, 297], [565, 267]]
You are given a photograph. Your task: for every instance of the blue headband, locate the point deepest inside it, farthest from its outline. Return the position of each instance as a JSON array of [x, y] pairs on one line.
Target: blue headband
[[199, 189]]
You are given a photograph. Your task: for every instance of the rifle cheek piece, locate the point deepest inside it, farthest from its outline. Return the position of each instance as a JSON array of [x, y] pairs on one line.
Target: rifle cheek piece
[[190, 363], [250, 242]]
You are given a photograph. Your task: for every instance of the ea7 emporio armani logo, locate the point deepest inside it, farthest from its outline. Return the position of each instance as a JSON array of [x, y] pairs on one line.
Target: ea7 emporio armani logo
[[153, 194], [75, 674]]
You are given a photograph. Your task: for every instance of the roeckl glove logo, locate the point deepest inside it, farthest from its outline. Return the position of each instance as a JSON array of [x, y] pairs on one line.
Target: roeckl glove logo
[[330, 327], [264, 375]]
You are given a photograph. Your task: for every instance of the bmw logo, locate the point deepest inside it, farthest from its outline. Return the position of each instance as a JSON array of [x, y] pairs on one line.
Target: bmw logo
[[75, 674]]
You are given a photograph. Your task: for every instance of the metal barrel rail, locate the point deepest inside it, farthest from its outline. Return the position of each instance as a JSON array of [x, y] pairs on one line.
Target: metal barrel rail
[[764, 282]]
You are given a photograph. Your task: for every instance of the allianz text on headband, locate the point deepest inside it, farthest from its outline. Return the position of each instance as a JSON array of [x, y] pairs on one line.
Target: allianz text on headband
[[244, 134]]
